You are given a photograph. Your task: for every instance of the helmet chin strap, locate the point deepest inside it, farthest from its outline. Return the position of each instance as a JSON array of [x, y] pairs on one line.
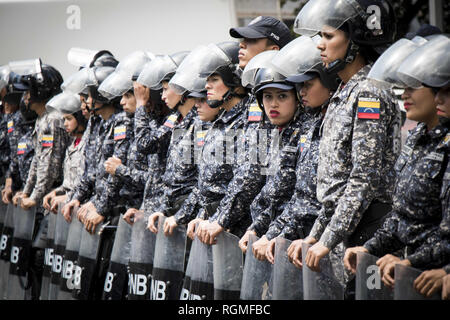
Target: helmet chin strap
[[226, 97], [181, 102], [339, 64]]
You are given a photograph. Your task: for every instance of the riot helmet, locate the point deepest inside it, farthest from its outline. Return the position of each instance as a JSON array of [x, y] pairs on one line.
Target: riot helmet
[[100, 74], [369, 24], [68, 103]]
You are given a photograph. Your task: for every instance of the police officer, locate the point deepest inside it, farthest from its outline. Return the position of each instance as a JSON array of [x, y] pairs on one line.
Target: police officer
[[153, 125], [50, 141], [414, 223], [69, 105], [361, 129]]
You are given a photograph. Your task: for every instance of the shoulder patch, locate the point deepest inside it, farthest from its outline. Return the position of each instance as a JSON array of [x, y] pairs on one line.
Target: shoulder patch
[[21, 147], [171, 120], [254, 113], [201, 138], [302, 142], [10, 126], [47, 140], [120, 132], [368, 108]]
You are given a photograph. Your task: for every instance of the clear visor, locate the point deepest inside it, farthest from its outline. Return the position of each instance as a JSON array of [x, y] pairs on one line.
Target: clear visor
[[80, 57], [429, 64], [318, 13], [79, 81], [133, 63], [298, 56], [65, 102], [4, 76], [26, 67], [154, 71], [385, 70], [187, 76], [214, 59], [115, 85], [261, 60]]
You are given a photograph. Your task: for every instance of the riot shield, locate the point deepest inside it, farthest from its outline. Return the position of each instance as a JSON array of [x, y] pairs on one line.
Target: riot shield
[[256, 276], [5, 249], [116, 277], [61, 231], [368, 281], [20, 252], [84, 276], [287, 279], [168, 264], [185, 293], [404, 284], [140, 266], [321, 285], [202, 282], [50, 219], [227, 267], [70, 258], [3, 209]]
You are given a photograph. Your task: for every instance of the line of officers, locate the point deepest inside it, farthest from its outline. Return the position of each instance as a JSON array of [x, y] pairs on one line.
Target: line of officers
[[263, 139]]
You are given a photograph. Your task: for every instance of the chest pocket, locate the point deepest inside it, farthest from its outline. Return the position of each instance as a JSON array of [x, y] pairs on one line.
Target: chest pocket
[[430, 166], [108, 148], [403, 159], [341, 128], [288, 157]]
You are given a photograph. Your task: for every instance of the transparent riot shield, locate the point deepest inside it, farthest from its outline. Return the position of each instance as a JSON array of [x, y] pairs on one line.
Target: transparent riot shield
[[168, 264], [3, 209], [287, 279], [256, 276], [368, 281], [185, 293], [84, 276], [140, 266], [20, 252], [5, 249], [50, 219], [61, 231], [228, 267], [117, 277], [321, 285], [202, 281], [70, 258], [404, 284]]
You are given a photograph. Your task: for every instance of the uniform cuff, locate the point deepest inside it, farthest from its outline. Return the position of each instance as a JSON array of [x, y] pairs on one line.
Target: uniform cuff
[[330, 239]]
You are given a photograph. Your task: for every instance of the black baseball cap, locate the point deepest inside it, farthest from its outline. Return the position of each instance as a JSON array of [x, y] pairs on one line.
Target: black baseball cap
[[264, 27]]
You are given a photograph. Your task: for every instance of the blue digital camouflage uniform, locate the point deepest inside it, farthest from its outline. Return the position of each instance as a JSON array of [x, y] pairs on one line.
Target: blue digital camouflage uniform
[[50, 141], [180, 176], [444, 227], [21, 163], [277, 191], [83, 189], [228, 178], [4, 146], [114, 138], [413, 223], [301, 211], [359, 146], [153, 134], [14, 123]]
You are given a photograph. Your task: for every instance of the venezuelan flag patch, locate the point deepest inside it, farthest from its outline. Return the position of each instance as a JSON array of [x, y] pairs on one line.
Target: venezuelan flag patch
[[368, 108], [201, 138], [254, 113], [171, 120], [47, 140], [302, 142], [10, 126], [120, 133], [21, 148]]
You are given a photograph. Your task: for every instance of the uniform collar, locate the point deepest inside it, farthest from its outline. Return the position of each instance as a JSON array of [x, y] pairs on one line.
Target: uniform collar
[[237, 110]]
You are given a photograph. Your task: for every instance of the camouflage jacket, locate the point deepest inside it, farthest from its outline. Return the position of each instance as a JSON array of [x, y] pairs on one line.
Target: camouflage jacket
[[15, 131], [277, 191], [444, 227], [359, 146], [50, 141], [302, 209], [115, 136], [84, 188], [181, 172], [4, 145], [413, 223], [21, 163], [73, 167]]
